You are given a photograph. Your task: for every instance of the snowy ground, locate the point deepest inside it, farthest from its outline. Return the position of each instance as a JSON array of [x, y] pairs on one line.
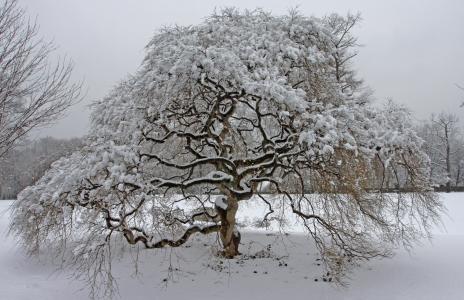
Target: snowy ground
[[433, 271]]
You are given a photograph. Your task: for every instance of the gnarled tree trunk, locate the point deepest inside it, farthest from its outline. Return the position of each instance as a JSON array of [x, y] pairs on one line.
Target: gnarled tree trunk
[[230, 237]]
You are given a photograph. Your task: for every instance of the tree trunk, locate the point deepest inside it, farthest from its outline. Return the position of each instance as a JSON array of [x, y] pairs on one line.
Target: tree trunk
[[448, 160], [458, 175], [230, 237]]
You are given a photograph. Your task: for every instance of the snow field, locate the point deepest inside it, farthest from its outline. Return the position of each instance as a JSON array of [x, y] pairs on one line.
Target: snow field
[[272, 266]]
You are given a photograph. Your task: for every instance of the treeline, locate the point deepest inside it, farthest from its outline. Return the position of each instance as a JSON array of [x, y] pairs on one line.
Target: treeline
[[27, 162]]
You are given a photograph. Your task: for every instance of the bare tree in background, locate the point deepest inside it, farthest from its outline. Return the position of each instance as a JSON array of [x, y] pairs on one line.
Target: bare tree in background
[[445, 129], [462, 89], [33, 92], [444, 146]]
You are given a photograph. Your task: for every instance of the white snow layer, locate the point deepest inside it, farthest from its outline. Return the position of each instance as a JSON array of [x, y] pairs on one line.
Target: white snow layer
[[221, 202]]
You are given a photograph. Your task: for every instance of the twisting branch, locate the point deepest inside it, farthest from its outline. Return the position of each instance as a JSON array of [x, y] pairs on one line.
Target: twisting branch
[[134, 239]]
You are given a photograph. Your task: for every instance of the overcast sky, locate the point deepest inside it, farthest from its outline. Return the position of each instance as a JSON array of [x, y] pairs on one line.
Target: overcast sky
[[413, 51]]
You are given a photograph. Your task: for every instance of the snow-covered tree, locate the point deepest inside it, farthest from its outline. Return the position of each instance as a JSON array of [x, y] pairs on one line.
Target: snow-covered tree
[[33, 91], [444, 145], [219, 112]]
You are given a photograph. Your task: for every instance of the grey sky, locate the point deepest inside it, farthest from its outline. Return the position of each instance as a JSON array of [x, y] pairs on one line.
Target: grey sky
[[413, 49]]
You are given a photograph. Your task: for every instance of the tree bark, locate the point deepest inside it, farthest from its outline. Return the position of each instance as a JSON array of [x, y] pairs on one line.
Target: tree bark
[[230, 237]]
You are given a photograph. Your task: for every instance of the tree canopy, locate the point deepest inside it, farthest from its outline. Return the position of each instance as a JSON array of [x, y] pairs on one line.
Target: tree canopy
[[245, 106]]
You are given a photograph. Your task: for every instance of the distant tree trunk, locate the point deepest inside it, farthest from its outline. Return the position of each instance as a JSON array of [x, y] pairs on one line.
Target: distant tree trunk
[[458, 175], [448, 161]]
